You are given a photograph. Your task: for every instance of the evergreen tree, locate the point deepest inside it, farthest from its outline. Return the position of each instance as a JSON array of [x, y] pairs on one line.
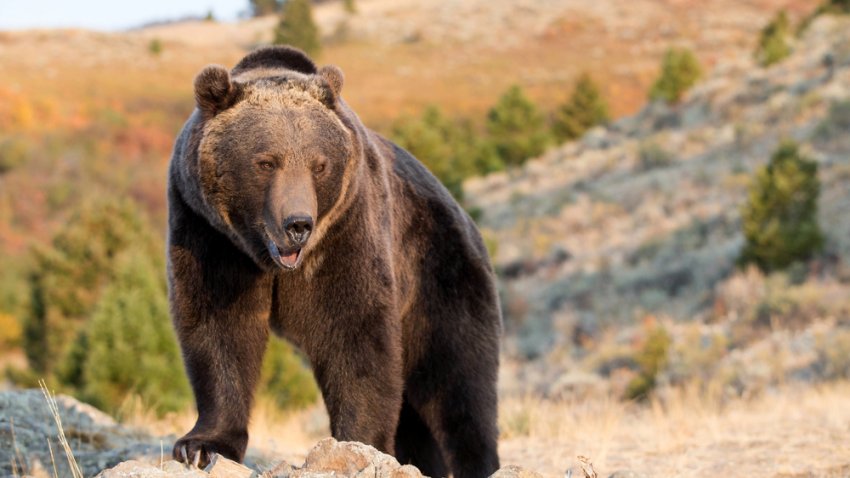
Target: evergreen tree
[[780, 217], [585, 109], [451, 150], [68, 276], [680, 71], [516, 128], [128, 347], [774, 41], [297, 28]]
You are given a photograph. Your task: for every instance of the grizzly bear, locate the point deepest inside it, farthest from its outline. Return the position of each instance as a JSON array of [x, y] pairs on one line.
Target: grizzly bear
[[287, 214]]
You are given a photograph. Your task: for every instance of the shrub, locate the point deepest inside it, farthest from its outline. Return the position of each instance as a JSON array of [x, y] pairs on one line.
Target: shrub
[[451, 150], [10, 331], [349, 6], [13, 153], [780, 217], [680, 70], [516, 128], [155, 47], [585, 109], [297, 28], [651, 359], [774, 41], [651, 155], [285, 378], [68, 276], [836, 124], [128, 347]]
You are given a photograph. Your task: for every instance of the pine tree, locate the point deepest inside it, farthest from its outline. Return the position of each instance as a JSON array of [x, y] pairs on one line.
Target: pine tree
[[451, 150], [516, 128], [774, 41], [68, 276], [780, 217], [680, 71], [297, 28], [128, 347], [585, 109]]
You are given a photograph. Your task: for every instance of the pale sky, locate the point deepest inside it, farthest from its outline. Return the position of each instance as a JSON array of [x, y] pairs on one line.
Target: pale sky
[[109, 15]]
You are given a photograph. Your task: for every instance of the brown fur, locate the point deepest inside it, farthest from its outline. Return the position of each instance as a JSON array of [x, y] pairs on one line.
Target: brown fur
[[391, 299]]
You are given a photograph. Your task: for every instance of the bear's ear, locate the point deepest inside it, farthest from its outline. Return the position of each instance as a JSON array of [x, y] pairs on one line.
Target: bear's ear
[[333, 75], [214, 90]]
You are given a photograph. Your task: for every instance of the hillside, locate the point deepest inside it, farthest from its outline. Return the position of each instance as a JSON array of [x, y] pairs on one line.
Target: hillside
[[640, 221], [631, 334]]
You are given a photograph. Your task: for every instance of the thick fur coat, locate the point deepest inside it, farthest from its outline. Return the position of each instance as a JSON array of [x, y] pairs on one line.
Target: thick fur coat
[[287, 215]]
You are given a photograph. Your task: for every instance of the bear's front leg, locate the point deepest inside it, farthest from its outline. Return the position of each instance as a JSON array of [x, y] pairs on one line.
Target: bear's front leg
[[361, 378], [220, 303]]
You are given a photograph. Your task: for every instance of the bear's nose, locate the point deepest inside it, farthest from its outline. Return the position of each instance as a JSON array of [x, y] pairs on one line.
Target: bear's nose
[[298, 228]]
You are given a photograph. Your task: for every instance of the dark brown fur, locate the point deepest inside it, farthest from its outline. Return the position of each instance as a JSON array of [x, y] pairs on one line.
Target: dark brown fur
[[392, 299]]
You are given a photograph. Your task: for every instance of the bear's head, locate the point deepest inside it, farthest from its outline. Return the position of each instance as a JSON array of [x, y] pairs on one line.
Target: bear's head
[[274, 152]]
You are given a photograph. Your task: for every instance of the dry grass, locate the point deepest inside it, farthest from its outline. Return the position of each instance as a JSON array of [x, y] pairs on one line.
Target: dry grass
[[794, 432]]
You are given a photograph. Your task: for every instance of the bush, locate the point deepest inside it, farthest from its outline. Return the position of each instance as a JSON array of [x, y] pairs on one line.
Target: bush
[[651, 155], [13, 153], [297, 28], [349, 6], [585, 109], [451, 150], [680, 71], [155, 47], [651, 359], [780, 217], [774, 41], [128, 347], [285, 378], [836, 124], [68, 276], [516, 128]]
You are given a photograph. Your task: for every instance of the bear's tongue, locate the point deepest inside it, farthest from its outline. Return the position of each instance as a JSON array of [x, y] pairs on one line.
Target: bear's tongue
[[289, 259]]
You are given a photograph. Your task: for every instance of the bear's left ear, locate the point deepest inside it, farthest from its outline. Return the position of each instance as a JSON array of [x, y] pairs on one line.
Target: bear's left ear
[[214, 90], [333, 75]]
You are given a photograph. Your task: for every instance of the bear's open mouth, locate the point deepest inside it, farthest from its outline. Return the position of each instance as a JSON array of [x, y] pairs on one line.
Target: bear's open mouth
[[286, 258]]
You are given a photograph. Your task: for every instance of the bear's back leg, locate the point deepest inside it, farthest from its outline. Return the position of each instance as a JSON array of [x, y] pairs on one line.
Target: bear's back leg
[[415, 444]]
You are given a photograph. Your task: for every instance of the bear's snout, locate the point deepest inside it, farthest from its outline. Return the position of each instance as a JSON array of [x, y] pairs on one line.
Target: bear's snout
[[298, 229]]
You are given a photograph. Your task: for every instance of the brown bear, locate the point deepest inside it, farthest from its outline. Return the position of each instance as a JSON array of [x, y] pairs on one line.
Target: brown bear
[[287, 214]]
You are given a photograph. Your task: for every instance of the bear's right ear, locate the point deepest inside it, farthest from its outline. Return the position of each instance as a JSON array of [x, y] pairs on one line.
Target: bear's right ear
[[214, 90]]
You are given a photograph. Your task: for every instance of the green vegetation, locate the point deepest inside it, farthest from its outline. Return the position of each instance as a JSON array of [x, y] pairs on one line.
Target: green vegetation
[[297, 28], [680, 70], [155, 47], [651, 155], [127, 347], [517, 128], [780, 217], [13, 153], [585, 109], [98, 325], [651, 359], [774, 41], [451, 150], [349, 6], [285, 378]]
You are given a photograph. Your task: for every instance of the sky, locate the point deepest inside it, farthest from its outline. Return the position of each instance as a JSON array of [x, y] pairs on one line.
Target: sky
[[109, 15]]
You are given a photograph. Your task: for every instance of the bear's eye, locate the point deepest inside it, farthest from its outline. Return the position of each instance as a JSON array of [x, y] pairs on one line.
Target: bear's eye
[[266, 165], [319, 168]]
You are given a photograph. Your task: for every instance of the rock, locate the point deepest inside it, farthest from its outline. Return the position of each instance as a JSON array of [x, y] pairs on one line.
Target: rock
[[139, 469], [352, 459], [513, 471], [626, 474], [28, 433], [221, 467]]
